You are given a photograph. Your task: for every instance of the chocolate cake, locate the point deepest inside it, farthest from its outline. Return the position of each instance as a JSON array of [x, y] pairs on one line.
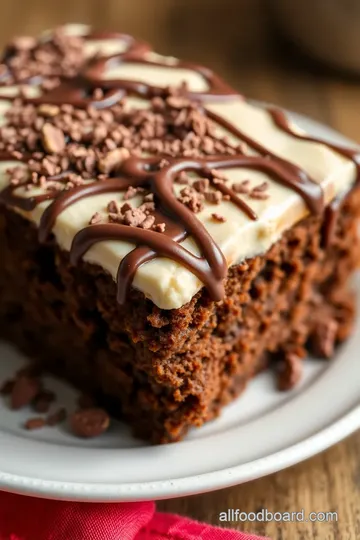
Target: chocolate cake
[[162, 238]]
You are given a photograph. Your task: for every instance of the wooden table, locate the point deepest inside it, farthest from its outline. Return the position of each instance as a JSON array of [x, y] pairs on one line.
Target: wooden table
[[235, 38]]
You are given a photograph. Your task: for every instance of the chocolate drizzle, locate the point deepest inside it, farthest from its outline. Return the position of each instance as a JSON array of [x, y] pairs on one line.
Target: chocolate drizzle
[[332, 211], [291, 175], [152, 174], [283, 123], [93, 76]]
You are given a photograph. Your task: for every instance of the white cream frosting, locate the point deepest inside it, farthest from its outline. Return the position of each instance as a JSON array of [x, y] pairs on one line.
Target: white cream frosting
[[167, 283]]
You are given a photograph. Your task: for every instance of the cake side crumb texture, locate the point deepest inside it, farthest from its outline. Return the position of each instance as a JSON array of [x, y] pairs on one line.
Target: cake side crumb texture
[[180, 238]]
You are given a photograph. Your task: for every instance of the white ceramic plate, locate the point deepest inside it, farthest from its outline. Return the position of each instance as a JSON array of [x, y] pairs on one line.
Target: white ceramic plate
[[261, 432]]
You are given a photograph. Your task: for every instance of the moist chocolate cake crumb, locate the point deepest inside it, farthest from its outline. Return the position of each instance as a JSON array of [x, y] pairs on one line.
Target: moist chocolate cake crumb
[[7, 387], [273, 305], [88, 423], [182, 179], [24, 391], [43, 401], [323, 338], [86, 401], [58, 417], [34, 423], [290, 371]]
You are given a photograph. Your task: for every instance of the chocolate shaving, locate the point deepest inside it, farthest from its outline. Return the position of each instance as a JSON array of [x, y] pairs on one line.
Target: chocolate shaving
[[218, 218], [53, 140], [241, 187], [213, 197], [48, 111], [159, 227], [192, 199], [96, 218], [113, 159], [258, 195]]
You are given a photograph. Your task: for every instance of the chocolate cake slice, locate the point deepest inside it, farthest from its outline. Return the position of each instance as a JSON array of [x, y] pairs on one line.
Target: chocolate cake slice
[[162, 239]]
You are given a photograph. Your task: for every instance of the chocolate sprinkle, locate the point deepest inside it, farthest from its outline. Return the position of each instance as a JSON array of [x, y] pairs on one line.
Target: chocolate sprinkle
[[218, 218]]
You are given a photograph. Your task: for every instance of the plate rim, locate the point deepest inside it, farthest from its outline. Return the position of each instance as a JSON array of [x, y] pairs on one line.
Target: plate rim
[[205, 482]]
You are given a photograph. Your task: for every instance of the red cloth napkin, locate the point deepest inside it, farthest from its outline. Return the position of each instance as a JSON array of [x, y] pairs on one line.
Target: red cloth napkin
[[27, 518]]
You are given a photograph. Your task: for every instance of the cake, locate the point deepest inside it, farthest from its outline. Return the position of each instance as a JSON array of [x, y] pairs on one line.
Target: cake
[[163, 239]]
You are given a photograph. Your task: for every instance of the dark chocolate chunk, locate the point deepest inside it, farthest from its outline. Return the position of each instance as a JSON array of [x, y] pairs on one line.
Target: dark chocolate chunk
[[89, 423], [290, 371], [24, 391]]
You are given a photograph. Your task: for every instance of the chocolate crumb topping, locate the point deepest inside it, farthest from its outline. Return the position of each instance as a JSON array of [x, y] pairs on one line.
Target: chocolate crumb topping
[[182, 178], [192, 199], [61, 55], [241, 187], [96, 218], [53, 141], [214, 197], [258, 195], [201, 185]]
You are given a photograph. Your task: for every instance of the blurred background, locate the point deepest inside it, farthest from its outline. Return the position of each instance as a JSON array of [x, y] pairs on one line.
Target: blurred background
[[303, 54]]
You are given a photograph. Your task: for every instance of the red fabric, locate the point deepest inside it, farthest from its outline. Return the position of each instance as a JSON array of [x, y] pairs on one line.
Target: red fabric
[[27, 518]]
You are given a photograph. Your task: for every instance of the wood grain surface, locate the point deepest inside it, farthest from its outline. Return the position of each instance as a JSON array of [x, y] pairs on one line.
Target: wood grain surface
[[237, 38]]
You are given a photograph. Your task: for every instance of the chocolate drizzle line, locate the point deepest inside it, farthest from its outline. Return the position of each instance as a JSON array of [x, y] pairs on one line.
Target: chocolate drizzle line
[[292, 176], [217, 88], [210, 267], [330, 220], [333, 209], [280, 119]]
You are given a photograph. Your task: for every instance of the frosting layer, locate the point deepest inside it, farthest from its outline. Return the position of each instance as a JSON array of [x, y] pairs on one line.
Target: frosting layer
[[167, 282]]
